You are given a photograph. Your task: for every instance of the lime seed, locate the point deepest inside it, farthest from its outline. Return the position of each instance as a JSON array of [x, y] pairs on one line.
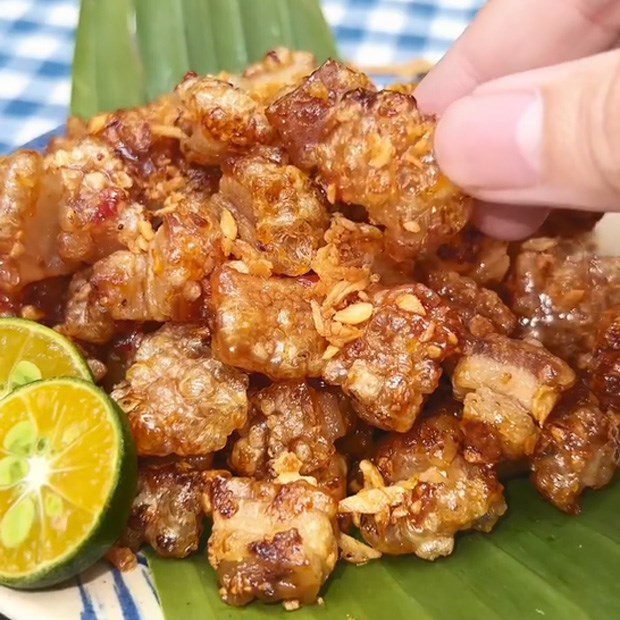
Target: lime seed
[[23, 373], [17, 523], [13, 469], [21, 438]]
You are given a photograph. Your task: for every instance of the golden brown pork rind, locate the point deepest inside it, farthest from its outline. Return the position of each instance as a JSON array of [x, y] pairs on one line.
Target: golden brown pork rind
[[481, 309], [396, 363], [559, 289], [178, 397], [294, 418], [270, 541], [168, 512], [579, 448], [373, 149], [518, 369], [219, 120], [419, 492], [277, 211], [265, 325]]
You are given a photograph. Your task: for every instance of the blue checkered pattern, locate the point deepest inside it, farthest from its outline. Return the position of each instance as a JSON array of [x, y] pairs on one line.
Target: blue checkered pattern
[[36, 47]]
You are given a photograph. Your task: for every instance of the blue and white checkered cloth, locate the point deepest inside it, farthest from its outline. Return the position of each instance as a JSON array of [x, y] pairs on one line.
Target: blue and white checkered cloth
[[36, 48]]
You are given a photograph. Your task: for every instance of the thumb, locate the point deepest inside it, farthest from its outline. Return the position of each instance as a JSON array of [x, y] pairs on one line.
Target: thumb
[[544, 137]]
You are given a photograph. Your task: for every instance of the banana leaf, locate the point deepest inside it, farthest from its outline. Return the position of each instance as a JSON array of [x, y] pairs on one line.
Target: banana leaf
[[538, 563], [128, 52]]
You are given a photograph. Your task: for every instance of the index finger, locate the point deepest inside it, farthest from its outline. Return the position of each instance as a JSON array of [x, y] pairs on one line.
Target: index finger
[[510, 36]]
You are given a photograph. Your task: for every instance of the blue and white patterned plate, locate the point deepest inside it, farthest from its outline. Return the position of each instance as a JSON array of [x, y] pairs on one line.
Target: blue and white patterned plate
[[101, 593]]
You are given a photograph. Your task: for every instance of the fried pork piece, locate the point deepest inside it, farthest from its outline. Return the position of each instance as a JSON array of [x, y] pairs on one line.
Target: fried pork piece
[[518, 369], [29, 227], [378, 153], [277, 211], [559, 289], [471, 254], [265, 325], [276, 73], [372, 149], [293, 417], [579, 448], [179, 398], [420, 491], [95, 210], [605, 367], [301, 117], [167, 512], [165, 279], [270, 541], [396, 363], [148, 141], [84, 318], [481, 309], [219, 120]]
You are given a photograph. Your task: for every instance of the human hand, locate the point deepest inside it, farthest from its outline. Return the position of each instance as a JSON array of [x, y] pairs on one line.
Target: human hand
[[529, 111]]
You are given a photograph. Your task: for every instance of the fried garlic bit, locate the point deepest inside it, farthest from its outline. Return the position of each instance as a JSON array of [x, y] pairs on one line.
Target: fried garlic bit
[[419, 491], [178, 397], [396, 363], [373, 149], [272, 542]]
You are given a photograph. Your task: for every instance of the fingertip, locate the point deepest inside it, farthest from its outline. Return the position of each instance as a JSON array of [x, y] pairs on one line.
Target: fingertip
[[508, 222], [448, 81], [454, 142]]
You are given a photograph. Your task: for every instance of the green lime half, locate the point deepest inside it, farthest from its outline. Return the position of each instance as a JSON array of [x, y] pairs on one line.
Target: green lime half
[[68, 474], [30, 351]]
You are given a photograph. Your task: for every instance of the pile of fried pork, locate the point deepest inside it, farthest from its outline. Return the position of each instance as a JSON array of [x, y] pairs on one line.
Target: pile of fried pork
[[315, 351]]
